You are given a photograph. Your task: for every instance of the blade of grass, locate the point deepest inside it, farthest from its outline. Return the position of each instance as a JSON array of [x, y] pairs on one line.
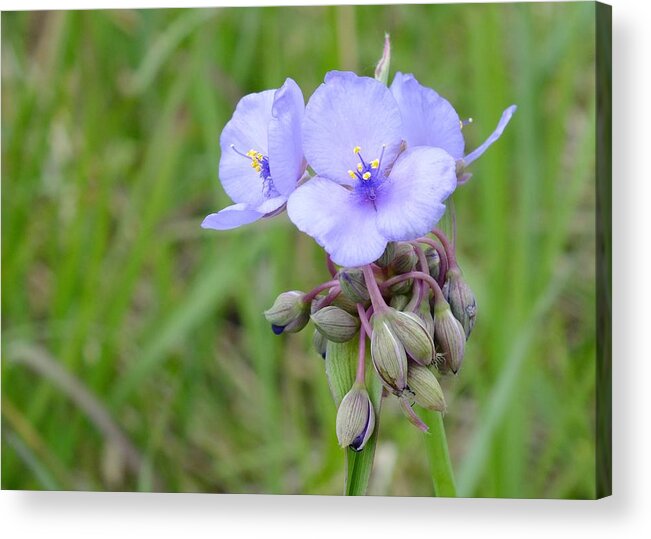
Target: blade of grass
[[439, 456], [500, 397]]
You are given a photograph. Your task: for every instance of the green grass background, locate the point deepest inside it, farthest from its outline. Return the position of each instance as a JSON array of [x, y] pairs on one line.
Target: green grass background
[[135, 353]]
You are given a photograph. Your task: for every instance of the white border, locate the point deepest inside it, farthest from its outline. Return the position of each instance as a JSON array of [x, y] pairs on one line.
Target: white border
[[624, 515]]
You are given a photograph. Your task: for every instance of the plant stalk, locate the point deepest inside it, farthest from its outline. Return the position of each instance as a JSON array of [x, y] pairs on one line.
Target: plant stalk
[[439, 456]]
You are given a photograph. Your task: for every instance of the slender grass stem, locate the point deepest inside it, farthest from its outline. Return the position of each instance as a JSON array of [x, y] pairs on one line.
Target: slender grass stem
[[439, 456]]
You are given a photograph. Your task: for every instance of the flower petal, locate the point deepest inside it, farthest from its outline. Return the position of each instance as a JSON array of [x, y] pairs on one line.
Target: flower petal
[[428, 119], [504, 121], [286, 161], [410, 202], [270, 205], [341, 222], [231, 217], [246, 130], [348, 111]]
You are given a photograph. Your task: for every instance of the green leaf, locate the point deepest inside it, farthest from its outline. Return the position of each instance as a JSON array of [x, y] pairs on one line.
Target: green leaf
[[340, 367]]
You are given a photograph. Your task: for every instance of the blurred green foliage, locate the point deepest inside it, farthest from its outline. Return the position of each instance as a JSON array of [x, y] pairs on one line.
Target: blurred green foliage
[[135, 354]]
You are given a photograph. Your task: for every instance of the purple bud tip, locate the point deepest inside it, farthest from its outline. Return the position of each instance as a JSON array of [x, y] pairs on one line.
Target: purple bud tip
[[277, 329], [358, 443], [323, 355], [355, 445]]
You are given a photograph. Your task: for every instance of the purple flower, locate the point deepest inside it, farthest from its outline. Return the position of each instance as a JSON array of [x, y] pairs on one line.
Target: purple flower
[[261, 156], [369, 189], [430, 120]]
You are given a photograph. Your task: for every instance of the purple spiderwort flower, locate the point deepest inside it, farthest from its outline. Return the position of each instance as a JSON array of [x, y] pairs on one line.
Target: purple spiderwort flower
[[261, 156], [430, 120], [368, 190]]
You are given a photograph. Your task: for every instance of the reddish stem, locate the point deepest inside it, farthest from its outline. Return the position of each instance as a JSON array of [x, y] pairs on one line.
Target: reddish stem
[[331, 266], [363, 317], [379, 305], [449, 249], [332, 295], [361, 358], [438, 246], [316, 290], [436, 289], [422, 259]]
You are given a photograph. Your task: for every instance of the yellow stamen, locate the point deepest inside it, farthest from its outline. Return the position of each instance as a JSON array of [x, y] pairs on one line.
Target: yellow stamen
[[352, 174], [366, 175], [375, 163], [251, 153], [360, 167], [357, 149]]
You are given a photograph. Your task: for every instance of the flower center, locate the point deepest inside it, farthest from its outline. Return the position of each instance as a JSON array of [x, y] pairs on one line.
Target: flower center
[[367, 174], [260, 163]]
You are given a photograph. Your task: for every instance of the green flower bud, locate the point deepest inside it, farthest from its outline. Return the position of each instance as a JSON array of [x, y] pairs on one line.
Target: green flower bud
[[403, 287], [412, 333], [355, 418], [335, 324], [449, 336], [461, 299], [353, 285], [289, 313], [433, 262], [388, 354], [344, 302], [404, 259], [425, 314], [320, 343], [387, 255], [399, 302], [425, 387]]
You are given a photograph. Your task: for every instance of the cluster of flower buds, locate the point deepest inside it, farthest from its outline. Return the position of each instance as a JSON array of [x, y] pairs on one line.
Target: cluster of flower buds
[[414, 307]]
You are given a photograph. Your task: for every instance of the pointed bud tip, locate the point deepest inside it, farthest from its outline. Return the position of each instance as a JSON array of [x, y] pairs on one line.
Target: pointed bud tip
[[355, 418], [461, 299], [382, 68], [289, 313]]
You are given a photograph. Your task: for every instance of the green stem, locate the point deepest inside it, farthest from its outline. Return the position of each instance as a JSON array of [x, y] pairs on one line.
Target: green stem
[[439, 457]]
